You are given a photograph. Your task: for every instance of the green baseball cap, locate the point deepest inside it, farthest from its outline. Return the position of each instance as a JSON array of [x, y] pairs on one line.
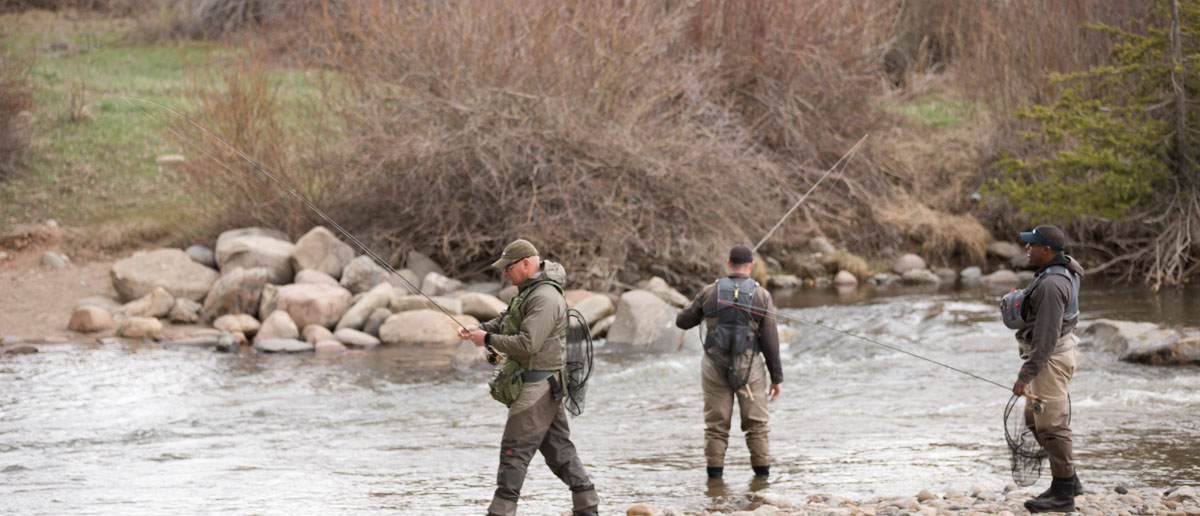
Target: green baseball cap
[[518, 249]]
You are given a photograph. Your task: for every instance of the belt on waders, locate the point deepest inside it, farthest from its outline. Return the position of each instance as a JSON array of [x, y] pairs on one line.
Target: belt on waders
[[535, 376]]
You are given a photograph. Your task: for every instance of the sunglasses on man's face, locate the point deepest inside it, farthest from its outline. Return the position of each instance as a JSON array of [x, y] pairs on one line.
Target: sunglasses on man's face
[[511, 265]]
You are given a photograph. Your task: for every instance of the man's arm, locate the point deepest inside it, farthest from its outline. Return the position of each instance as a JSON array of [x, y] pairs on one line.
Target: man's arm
[[1050, 298], [768, 337], [693, 313]]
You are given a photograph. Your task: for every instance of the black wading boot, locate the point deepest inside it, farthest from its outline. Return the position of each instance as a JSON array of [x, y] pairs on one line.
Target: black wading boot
[[762, 471], [1059, 498], [716, 472], [1075, 483]]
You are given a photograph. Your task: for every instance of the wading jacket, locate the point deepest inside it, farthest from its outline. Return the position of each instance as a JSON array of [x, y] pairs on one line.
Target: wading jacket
[[543, 313], [704, 306], [1043, 311]]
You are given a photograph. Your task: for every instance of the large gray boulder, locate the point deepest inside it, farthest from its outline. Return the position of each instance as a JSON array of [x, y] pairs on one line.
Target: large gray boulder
[[313, 303], [362, 274], [1144, 343], [1002, 277], [645, 322], [436, 284], [139, 327], [484, 307], [595, 307], [424, 328], [355, 338], [356, 316], [421, 265], [90, 319], [907, 263], [237, 292], [171, 269], [278, 325], [250, 251], [321, 250], [660, 288]]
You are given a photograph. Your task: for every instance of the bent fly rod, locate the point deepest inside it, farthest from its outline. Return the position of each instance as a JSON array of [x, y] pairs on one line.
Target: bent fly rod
[[274, 177], [1038, 403]]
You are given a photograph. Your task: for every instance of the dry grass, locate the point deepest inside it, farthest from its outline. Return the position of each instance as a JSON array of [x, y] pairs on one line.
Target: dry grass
[[16, 103]]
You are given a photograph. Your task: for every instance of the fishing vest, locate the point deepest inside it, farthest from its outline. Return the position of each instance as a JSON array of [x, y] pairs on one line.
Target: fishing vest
[[1013, 306], [508, 376], [733, 341]]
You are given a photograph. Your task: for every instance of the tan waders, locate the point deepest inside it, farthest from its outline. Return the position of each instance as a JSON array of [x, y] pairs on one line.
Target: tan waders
[[718, 412], [1052, 430], [538, 422]]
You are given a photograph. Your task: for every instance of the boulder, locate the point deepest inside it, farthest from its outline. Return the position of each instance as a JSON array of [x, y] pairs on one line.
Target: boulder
[[184, 311], [1005, 250], [266, 302], [363, 274], [355, 338], [645, 322], [234, 323], [820, 245], [425, 328], [417, 302], [971, 275], [157, 303], [845, 279], [252, 231], [228, 342], [436, 284], [919, 277], [484, 307], [375, 320], [421, 265], [602, 326], [54, 260], [202, 255], [313, 303], [574, 296], [282, 346], [1144, 343], [786, 281], [946, 276], [321, 250], [328, 347], [356, 316], [315, 333], [907, 263], [660, 288], [90, 319], [1002, 277], [278, 325], [171, 269], [251, 251], [237, 292], [140, 327], [595, 307], [315, 276]]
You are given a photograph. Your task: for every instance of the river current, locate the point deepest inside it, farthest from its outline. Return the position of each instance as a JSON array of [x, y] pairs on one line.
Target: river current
[[132, 428]]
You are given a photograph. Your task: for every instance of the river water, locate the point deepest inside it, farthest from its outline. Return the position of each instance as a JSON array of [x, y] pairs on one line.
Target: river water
[[132, 428]]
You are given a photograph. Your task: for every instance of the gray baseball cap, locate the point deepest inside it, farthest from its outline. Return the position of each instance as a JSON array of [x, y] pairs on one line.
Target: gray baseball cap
[[518, 249]]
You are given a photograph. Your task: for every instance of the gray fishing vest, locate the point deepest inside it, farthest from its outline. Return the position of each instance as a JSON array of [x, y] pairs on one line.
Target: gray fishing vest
[[733, 340], [1013, 307]]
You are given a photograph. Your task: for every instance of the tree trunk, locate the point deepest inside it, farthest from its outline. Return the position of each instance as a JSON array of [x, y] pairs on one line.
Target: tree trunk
[[1183, 161]]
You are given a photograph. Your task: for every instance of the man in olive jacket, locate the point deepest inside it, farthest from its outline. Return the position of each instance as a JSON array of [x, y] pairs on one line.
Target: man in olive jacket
[[531, 331], [1047, 343]]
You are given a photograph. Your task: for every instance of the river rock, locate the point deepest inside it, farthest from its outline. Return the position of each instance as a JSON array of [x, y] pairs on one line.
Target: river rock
[[469, 356], [926, 495], [315, 276], [184, 311], [821, 245], [355, 338], [643, 509], [282, 346], [1002, 277], [139, 327], [315, 333], [574, 296], [202, 255], [54, 260], [595, 307], [356, 316], [1005, 250], [907, 263], [252, 231], [416, 302], [660, 288], [425, 328], [375, 320], [971, 275], [237, 292], [484, 307], [313, 303], [251, 251], [787, 281], [845, 279], [104, 302], [321, 250], [138, 275], [227, 342], [278, 325], [157, 303], [362, 274], [21, 349], [645, 322], [946, 276], [436, 284], [233, 323], [90, 319], [266, 302], [421, 265], [919, 277], [328, 347]]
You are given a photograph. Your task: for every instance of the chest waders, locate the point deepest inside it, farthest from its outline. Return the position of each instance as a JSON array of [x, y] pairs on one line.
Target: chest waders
[[733, 340], [510, 376]]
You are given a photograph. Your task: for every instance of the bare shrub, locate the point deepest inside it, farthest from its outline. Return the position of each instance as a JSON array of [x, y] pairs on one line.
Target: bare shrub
[[16, 118]]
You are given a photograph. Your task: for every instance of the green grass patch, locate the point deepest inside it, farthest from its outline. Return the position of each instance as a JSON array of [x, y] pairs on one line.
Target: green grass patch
[[937, 111]]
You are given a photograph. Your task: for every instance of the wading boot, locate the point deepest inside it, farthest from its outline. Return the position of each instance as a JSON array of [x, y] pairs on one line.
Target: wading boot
[[762, 471], [1061, 498], [716, 472], [1075, 484]]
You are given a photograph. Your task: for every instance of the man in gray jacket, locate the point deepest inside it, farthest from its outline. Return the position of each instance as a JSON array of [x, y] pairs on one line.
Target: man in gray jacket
[[532, 332], [1047, 343]]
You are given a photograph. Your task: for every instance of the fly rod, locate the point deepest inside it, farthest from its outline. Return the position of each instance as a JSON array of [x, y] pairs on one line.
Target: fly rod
[[274, 177]]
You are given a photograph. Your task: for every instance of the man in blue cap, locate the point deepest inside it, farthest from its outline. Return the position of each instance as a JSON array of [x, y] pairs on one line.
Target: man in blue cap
[[1047, 343]]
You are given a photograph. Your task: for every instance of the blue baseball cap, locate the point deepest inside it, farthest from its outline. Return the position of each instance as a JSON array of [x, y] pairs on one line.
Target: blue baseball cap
[[1048, 236]]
